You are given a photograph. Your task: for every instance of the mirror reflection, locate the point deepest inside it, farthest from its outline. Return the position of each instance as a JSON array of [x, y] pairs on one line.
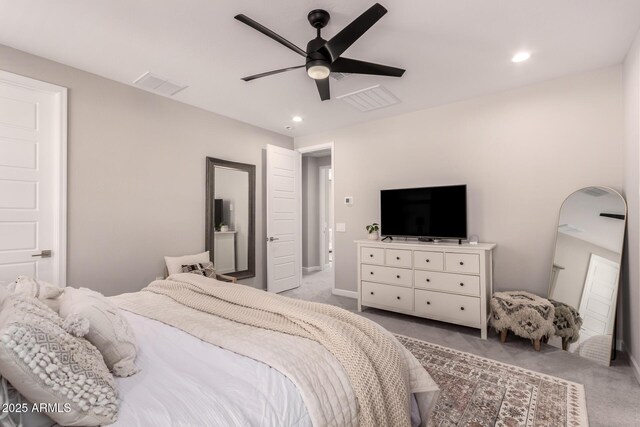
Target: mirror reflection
[[230, 217], [585, 272], [231, 213]]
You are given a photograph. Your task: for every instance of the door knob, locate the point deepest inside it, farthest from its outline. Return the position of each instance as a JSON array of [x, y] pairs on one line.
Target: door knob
[[272, 239], [44, 254]]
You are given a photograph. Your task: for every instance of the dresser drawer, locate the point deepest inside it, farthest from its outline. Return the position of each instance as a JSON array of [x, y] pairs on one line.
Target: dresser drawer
[[387, 295], [391, 275], [457, 283], [372, 255], [462, 263], [428, 260], [397, 258], [448, 307]]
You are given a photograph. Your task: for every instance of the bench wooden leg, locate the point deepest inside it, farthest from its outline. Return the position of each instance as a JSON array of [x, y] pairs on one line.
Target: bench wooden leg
[[536, 344], [565, 343], [503, 335]]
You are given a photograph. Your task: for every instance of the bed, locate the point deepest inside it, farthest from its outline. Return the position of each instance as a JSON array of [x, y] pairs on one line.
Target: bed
[[203, 369]]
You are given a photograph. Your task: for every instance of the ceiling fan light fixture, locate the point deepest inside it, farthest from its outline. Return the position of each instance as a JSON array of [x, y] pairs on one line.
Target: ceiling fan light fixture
[[318, 70]]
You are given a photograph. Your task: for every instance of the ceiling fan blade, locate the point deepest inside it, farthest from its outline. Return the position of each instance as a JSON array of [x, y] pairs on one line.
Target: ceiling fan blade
[[352, 32], [269, 73], [267, 32], [323, 89], [353, 66]]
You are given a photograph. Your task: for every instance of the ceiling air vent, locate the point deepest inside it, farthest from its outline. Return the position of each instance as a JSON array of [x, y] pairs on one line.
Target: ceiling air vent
[[339, 76], [155, 83], [371, 98], [595, 191]]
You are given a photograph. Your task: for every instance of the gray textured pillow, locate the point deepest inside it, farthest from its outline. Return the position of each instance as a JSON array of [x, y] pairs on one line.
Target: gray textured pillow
[[109, 331], [44, 291], [48, 365]]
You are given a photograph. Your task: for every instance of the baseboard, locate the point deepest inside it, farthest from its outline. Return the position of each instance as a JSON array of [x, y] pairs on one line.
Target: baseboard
[[635, 366], [311, 269], [345, 293]]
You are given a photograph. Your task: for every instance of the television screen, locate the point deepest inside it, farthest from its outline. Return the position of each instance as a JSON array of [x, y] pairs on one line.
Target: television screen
[[432, 212]]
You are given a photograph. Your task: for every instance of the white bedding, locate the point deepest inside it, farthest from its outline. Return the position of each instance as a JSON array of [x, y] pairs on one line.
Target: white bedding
[[187, 382]]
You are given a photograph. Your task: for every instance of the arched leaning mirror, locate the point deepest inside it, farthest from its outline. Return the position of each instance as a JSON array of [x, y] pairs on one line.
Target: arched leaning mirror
[[586, 271], [230, 217]]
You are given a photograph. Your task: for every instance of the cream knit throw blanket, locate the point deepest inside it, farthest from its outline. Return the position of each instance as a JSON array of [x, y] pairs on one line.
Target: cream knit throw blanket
[[375, 367]]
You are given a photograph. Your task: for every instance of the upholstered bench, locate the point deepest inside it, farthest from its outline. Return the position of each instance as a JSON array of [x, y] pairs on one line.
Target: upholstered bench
[[567, 323], [526, 315]]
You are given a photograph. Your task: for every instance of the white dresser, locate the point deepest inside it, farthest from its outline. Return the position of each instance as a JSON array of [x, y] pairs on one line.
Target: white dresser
[[442, 281]]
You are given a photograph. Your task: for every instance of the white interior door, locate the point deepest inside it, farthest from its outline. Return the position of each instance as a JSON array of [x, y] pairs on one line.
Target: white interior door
[[598, 303], [284, 224], [32, 179]]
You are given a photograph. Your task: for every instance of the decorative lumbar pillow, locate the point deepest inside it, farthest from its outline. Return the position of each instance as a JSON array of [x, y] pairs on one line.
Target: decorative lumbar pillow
[[174, 264], [39, 289], [63, 373], [108, 330], [202, 269]]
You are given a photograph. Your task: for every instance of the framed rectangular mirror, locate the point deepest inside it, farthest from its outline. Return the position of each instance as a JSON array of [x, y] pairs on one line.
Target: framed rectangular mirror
[[230, 217]]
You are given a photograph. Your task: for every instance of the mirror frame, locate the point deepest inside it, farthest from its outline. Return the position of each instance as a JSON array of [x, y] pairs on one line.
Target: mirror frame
[[212, 162], [624, 236]]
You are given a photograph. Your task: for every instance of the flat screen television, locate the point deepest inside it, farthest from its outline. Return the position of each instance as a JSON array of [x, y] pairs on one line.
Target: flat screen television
[[429, 212], [218, 214]]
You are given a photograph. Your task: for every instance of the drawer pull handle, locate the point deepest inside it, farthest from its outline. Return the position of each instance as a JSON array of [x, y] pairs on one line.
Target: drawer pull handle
[[428, 302], [428, 260], [462, 308], [398, 297], [398, 276], [398, 258], [371, 255], [371, 272], [428, 280], [461, 284], [371, 292], [461, 263]]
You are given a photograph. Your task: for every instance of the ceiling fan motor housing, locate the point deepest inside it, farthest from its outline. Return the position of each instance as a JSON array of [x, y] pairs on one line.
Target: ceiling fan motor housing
[[318, 18]]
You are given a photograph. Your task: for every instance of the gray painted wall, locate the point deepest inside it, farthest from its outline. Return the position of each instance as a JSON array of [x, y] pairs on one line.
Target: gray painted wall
[[521, 153], [630, 295], [311, 208], [136, 175]]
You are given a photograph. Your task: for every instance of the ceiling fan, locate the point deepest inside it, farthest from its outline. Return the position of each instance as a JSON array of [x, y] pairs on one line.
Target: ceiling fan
[[322, 56]]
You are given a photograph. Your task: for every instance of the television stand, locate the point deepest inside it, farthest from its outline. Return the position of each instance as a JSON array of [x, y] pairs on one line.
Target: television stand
[[428, 240]]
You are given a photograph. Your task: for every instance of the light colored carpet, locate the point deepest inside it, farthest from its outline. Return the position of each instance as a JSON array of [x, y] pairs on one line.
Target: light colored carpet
[[480, 392], [612, 393]]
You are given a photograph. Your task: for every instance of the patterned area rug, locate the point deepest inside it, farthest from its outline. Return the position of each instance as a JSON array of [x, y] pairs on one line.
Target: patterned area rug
[[475, 391]]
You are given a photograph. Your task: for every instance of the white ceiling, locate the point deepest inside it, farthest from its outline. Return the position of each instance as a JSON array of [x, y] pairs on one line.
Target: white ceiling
[[452, 50]]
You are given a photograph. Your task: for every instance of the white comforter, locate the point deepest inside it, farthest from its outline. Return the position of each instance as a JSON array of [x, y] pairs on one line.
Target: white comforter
[[187, 382]]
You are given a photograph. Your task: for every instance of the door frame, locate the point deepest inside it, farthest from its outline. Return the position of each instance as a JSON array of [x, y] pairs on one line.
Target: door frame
[[59, 167], [312, 149]]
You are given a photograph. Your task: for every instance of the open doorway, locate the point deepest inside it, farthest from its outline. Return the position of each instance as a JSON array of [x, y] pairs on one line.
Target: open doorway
[[317, 219]]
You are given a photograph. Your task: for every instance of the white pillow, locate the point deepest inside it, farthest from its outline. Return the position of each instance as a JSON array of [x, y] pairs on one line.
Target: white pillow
[[109, 331], [39, 289], [175, 263], [48, 365]]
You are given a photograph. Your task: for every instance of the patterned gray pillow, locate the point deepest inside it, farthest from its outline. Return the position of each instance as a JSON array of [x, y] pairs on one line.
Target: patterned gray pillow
[[202, 269], [47, 365]]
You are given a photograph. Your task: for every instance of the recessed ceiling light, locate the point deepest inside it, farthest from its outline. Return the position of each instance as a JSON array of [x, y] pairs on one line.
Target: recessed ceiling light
[[288, 127], [520, 57], [296, 119]]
